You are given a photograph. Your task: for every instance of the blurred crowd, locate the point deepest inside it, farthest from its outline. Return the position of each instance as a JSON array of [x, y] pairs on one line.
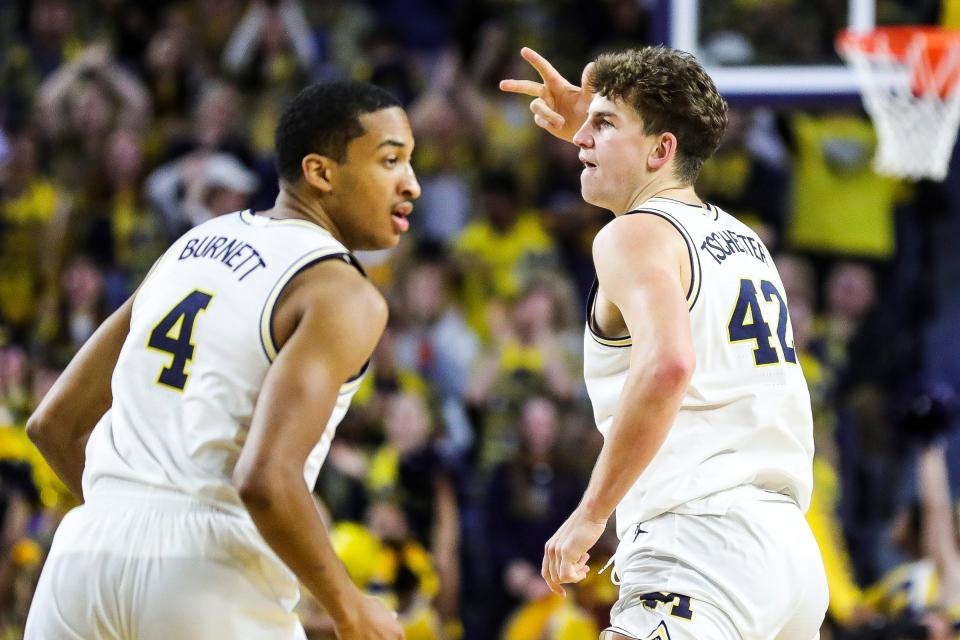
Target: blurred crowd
[[123, 123]]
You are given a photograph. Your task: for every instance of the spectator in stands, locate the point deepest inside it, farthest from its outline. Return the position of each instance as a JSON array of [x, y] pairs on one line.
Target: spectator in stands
[[528, 497], [502, 249], [408, 471], [435, 340]]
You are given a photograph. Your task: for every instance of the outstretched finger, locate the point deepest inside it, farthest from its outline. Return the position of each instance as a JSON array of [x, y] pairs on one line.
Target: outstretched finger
[[526, 87], [543, 67]]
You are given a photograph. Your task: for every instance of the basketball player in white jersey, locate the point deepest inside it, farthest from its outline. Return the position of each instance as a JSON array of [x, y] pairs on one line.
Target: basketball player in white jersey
[[195, 420], [691, 370]]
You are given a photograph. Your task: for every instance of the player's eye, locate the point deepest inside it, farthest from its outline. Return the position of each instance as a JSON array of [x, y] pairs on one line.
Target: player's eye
[[391, 161], [603, 123]]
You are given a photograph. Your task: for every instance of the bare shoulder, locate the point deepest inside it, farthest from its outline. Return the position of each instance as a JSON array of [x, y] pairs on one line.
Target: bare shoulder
[[337, 292], [636, 239], [342, 283]]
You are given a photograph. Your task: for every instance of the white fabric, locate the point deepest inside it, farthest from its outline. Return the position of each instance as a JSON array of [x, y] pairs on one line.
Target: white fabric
[[189, 440], [164, 548], [739, 423], [154, 567], [753, 572]]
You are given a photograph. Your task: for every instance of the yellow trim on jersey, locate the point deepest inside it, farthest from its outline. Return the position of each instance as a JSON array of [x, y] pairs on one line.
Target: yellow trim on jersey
[[756, 341], [250, 218], [773, 340], [178, 325], [266, 315], [625, 341], [352, 385], [621, 342]]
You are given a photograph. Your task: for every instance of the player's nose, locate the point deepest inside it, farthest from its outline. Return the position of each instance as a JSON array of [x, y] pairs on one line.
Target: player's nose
[[582, 137], [409, 186]]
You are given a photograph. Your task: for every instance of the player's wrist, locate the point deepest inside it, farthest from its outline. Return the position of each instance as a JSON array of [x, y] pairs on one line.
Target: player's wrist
[[593, 511], [345, 608]]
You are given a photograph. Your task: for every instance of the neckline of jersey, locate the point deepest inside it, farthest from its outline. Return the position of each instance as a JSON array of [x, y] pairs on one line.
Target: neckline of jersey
[[297, 222], [705, 207]]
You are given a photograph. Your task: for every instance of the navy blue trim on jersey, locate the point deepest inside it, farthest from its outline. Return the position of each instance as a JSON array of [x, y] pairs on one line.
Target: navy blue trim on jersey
[[696, 272], [617, 343], [287, 278], [359, 374], [247, 214], [706, 206], [693, 290]]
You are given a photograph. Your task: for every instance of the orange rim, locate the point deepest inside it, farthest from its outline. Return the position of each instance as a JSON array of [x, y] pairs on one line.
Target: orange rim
[[898, 42]]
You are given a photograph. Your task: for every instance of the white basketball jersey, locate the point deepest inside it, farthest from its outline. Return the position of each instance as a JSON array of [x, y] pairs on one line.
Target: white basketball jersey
[[745, 418], [199, 347]]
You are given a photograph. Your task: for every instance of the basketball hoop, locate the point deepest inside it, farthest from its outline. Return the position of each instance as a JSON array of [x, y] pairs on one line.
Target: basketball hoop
[[910, 81]]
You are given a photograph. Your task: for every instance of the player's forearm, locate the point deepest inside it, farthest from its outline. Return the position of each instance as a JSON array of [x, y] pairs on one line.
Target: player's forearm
[[67, 459], [62, 422], [287, 518], [649, 406]]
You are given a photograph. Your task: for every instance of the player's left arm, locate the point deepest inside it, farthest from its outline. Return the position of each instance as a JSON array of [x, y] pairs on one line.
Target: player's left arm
[[640, 268], [62, 422]]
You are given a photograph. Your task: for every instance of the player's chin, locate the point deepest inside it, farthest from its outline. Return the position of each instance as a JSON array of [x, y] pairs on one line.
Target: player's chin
[[388, 239], [590, 194]]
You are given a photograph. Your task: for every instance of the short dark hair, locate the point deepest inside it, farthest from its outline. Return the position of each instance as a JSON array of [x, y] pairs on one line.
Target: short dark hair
[[324, 118], [671, 92]]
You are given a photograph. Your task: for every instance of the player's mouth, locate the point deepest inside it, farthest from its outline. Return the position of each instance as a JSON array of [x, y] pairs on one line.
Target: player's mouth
[[587, 165], [399, 216]]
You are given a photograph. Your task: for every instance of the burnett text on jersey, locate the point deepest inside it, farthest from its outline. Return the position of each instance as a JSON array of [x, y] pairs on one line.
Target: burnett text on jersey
[[235, 254]]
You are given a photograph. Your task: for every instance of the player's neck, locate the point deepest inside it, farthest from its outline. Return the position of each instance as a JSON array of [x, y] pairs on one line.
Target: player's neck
[[292, 205], [665, 189]]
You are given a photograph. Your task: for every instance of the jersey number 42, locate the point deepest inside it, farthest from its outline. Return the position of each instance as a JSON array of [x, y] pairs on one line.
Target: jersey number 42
[[747, 323]]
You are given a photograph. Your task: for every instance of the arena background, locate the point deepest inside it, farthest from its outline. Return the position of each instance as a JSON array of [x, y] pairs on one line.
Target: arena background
[[123, 123]]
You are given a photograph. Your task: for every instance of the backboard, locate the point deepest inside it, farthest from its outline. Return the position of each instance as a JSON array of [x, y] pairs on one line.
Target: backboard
[[775, 51]]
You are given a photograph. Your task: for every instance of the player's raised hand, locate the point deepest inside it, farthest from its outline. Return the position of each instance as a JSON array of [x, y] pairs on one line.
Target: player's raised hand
[[372, 620], [559, 106], [565, 554]]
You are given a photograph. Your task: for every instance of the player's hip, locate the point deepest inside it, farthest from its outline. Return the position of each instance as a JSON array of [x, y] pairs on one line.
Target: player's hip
[[165, 524], [758, 563]]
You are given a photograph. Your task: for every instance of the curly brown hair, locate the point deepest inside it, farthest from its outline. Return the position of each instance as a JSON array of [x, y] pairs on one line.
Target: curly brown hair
[[671, 92]]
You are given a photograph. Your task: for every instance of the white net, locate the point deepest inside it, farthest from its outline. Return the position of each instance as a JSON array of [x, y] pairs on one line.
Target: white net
[[913, 100]]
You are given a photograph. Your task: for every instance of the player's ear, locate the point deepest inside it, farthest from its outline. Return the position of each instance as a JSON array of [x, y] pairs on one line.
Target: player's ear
[[664, 149], [318, 171]]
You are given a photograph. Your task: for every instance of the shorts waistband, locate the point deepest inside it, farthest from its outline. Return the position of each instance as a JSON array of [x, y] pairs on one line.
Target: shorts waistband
[[136, 495]]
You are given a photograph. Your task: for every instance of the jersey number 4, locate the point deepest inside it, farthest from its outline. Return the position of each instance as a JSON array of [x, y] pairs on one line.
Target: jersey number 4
[[173, 335], [747, 323]]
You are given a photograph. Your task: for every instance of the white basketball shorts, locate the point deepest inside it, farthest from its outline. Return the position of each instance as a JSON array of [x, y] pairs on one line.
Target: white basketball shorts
[[161, 567], [753, 572]]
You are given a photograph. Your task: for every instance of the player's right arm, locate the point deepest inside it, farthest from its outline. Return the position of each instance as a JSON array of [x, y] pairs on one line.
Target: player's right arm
[[560, 107], [81, 395], [328, 321], [939, 536]]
